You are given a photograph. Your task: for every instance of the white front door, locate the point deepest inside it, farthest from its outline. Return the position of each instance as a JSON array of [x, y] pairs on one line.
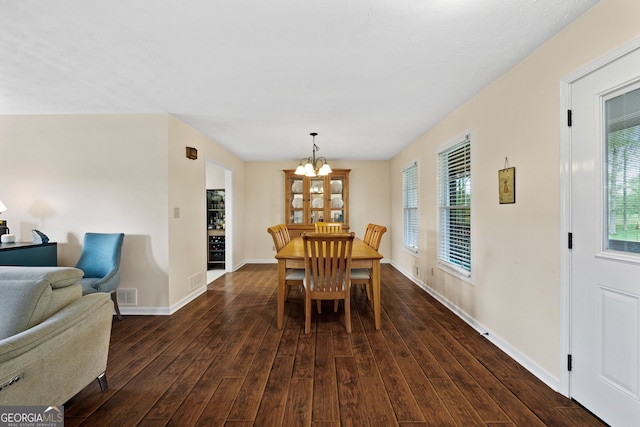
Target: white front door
[[605, 256]]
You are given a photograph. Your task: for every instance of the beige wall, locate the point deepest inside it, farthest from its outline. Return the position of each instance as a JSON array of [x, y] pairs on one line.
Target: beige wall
[[516, 248], [369, 192], [187, 190]]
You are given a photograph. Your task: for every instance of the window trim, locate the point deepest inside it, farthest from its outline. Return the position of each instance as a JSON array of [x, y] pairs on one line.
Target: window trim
[[411, 249], [443, 264]]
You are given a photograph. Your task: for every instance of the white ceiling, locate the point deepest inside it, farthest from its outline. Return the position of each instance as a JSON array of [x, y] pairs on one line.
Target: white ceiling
[[257, 76]]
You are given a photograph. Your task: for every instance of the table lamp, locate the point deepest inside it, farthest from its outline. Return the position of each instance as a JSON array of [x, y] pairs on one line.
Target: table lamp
[[3, 224]]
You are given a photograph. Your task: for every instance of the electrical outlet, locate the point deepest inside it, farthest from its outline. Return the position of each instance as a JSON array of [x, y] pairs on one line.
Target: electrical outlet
[[416, 271], [432, 272], [176, 212]]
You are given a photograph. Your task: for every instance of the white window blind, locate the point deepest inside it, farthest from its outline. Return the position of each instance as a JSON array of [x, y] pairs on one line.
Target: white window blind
[[454, 203], [622, 208], [410, 207]]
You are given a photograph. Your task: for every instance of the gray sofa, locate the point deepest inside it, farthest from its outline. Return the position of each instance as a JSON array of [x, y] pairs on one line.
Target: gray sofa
[[53, 341]]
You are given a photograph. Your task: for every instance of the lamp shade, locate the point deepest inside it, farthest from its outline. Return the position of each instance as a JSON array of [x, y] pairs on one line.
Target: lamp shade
[[2, 207]]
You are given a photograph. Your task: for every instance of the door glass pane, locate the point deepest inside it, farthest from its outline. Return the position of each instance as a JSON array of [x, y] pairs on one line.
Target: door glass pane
[[622, 136]]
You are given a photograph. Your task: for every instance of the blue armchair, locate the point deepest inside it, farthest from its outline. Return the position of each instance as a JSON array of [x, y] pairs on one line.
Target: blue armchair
[[100, 262]]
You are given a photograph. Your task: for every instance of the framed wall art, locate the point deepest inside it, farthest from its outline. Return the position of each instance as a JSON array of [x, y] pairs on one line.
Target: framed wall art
[[507, 185]]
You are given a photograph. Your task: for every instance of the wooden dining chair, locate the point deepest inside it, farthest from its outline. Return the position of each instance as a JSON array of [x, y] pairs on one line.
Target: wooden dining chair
[[327, 259], [362, 276], [293, 277], [328, 227]]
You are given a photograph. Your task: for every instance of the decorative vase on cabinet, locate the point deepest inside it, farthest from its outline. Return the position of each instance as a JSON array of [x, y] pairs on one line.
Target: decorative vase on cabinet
[[316, 199]]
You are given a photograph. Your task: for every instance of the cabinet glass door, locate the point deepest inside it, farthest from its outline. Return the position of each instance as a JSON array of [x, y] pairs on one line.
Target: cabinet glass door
[[297, 200], [316, 192], [337, 199]]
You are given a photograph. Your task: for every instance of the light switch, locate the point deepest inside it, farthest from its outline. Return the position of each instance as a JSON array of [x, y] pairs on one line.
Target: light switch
[[176, 212]]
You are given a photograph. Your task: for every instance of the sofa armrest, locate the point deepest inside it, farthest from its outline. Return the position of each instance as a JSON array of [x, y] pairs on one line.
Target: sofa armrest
[[59, 357], [72, 316], [57, 277]]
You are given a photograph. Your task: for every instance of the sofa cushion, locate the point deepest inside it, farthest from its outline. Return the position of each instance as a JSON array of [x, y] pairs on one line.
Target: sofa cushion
[[87, 285], [23, 305], [58, 277]]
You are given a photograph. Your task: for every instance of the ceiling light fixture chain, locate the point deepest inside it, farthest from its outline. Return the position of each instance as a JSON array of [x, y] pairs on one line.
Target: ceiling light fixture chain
[[313, 166]]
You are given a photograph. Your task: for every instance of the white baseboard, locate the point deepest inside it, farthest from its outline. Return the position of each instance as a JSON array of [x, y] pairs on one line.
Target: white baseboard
[[503, 345], [163, 311]]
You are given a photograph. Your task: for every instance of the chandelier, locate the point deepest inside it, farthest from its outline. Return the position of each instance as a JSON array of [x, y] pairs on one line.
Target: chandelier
[[313, 166]]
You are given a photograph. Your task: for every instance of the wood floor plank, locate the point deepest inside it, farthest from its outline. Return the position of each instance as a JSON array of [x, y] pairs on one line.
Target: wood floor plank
[[274, 398], [403, 402], [133, 401], [305, 355], [246, 405], [365, 360], [192, 406], [299, 407], [221, 360], [217, 409], [459, 408], [433, 409], [376, 400], [341, 343], [325, 390], [353, 410], [513, 407], [538, 404], [180, 389]]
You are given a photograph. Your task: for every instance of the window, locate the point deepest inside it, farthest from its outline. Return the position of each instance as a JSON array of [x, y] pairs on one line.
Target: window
[[622, 209], [410, 207], [454, 206]]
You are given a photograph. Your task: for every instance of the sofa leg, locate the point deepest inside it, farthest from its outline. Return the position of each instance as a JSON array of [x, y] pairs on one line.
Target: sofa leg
[[114, 298], [102, 380]]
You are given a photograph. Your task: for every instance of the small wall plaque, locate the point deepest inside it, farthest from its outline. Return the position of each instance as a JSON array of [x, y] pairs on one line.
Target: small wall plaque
[[507, 185], [192, 153]]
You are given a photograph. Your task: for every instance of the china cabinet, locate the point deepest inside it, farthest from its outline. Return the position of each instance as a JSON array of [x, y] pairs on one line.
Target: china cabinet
[[315, 199], [215, 229]]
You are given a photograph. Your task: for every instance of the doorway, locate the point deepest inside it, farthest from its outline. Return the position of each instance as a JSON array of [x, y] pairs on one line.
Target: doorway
[[601, 210], [218, 177]]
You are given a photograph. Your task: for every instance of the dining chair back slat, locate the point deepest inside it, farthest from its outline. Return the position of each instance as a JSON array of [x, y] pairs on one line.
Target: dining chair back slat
[[376, 236], [328, 227], [286, 237], [368, 234]]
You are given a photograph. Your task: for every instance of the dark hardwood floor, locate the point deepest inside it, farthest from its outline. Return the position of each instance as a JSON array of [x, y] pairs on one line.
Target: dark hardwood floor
[[222, 361]]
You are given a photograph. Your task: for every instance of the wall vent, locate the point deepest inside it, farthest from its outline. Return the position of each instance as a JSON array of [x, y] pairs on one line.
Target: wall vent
[[196, 281], [127, 296]]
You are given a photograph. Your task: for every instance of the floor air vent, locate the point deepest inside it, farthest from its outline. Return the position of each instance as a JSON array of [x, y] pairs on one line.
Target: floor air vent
[[127, 296], [196, 281]]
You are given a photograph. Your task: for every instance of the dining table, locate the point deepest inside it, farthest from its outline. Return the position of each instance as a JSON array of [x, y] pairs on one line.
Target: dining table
[[362, 256]]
